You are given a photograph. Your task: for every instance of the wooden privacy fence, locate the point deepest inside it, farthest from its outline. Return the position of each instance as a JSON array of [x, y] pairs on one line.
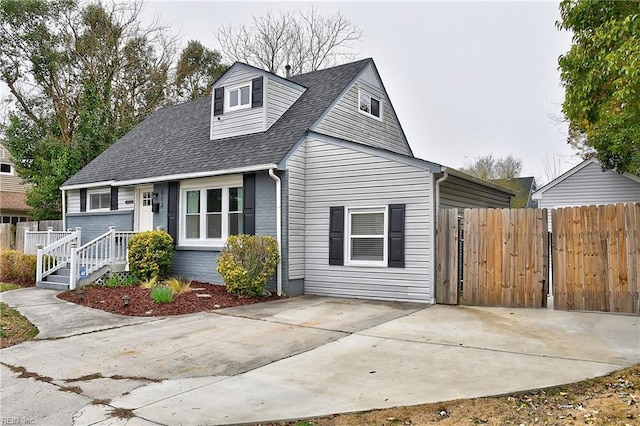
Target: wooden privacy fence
[[502, 260], [7, 236], [596, 258]]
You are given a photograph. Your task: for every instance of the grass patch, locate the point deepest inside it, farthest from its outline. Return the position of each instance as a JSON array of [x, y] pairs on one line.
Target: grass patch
[[122, 413], [609, 400], [14, 328], [8, 286]]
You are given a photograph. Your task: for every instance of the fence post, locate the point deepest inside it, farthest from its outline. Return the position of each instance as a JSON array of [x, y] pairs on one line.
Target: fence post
[[49, 231], [112, 245], [73, 269], [40, 258]]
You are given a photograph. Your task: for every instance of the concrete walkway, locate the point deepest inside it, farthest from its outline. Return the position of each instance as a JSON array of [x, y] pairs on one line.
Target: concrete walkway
[[302, 357]]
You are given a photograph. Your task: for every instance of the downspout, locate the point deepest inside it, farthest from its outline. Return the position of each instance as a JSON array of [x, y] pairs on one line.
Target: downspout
[[444, 177], [438, 182], [278, 228], [64, 211]]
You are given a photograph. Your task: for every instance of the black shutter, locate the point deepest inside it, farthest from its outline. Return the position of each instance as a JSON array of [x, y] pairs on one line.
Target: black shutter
[[83, 200], [218, 101], [336, 236], [256, 92], [114, 198], [396, 236], [172, 211], [249, 203]]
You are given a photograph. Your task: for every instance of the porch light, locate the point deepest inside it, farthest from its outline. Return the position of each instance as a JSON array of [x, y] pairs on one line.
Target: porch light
[[80, 295], [125, 300]]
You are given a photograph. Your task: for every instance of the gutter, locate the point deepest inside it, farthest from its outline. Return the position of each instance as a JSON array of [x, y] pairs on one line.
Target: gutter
[[444, 177], [278, 228]]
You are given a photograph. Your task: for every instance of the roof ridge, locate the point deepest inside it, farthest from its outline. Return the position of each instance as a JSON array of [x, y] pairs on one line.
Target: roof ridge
[[330, 68]]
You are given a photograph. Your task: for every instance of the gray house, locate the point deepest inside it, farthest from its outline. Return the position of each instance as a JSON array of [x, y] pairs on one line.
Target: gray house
[[587, 184], [318, 161]]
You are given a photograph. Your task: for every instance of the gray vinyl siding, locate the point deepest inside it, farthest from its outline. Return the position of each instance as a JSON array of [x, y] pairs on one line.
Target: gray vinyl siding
[[461, 194], [296, 181], [591, 185], [240, 122], [124, 195], [95, 224], [279, 98], [339, 176], [345, 121]]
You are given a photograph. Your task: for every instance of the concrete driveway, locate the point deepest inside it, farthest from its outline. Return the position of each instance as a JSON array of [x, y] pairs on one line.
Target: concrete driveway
[[300, 357]]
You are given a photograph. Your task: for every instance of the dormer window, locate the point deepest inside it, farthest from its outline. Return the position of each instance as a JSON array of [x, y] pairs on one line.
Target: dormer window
[[369, 104], [239, 97]]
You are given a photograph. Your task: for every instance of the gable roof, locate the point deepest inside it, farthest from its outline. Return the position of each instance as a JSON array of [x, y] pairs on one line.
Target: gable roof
[[538, 194], [175, 140]]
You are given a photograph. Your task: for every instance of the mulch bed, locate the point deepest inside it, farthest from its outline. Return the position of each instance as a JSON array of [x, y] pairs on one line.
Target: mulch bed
[[141, 304]]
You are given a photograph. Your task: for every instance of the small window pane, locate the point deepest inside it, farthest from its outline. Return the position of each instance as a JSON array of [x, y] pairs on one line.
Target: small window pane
[[214, 225], [146, 198], [5, 168], [375, 107], [371, 249], [193, 202], [94, 201], [105, 201], [244, 95], [236, 223], [214, 200], [233, 98], [193, 226], [365, 101], [367, 224], [235, 199]]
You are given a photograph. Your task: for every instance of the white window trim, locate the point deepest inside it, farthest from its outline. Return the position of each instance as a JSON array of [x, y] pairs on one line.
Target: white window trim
[[379, 99], [11, 169], [385, 249], [203, 185], [227, 97], [101, 192]]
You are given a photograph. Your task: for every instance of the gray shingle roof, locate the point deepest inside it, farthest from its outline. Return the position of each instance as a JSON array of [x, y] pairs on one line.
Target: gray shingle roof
[[175, 140]]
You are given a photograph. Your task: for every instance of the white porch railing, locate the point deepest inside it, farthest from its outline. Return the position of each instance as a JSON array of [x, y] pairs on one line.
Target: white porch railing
[[56, 255], [108, 249], [33, 239]]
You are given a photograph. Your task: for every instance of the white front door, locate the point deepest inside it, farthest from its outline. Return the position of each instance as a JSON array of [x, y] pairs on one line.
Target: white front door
[[144, 212]]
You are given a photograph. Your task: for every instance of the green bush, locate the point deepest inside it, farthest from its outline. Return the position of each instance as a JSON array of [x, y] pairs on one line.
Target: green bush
[[161, 294], [17, 266], [246, 263], [150, 254]]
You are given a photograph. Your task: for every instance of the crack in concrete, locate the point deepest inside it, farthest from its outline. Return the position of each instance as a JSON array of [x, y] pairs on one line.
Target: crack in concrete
[[115, 327], [460, 345]]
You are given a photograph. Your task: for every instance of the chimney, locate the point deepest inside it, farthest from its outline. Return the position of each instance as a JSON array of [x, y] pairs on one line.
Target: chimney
[[288, 70]]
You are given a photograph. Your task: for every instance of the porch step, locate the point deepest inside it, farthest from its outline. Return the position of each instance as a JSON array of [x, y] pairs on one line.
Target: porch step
[[52, 285], [59, 280]]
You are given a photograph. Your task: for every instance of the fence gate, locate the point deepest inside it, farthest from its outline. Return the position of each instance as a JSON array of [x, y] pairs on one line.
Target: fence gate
[[504, 258], [596, 258]]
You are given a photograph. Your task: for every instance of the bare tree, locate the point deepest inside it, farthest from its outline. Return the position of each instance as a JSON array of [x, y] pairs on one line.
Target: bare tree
[[305, 40], [487, 167]]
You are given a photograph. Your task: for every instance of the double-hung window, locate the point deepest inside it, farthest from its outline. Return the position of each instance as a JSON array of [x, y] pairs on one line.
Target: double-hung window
[[99, 200], [369, 104], [211, 212], [366, 233], [239, 97]]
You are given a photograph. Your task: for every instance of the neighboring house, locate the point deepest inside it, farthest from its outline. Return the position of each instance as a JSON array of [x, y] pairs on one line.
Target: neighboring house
[[587, 184], [318, 161], [524, 188], [13, 208]]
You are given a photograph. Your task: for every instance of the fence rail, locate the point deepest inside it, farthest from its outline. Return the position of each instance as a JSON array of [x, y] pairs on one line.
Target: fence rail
[[33, 239], [596, 258], [56, 256], [106, 250]]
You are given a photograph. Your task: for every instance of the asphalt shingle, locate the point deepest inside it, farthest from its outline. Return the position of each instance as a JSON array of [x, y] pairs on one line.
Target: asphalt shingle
[[175, 140]]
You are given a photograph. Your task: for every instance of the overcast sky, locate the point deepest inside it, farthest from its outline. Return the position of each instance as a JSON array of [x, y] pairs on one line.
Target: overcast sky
[[465, 78]]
